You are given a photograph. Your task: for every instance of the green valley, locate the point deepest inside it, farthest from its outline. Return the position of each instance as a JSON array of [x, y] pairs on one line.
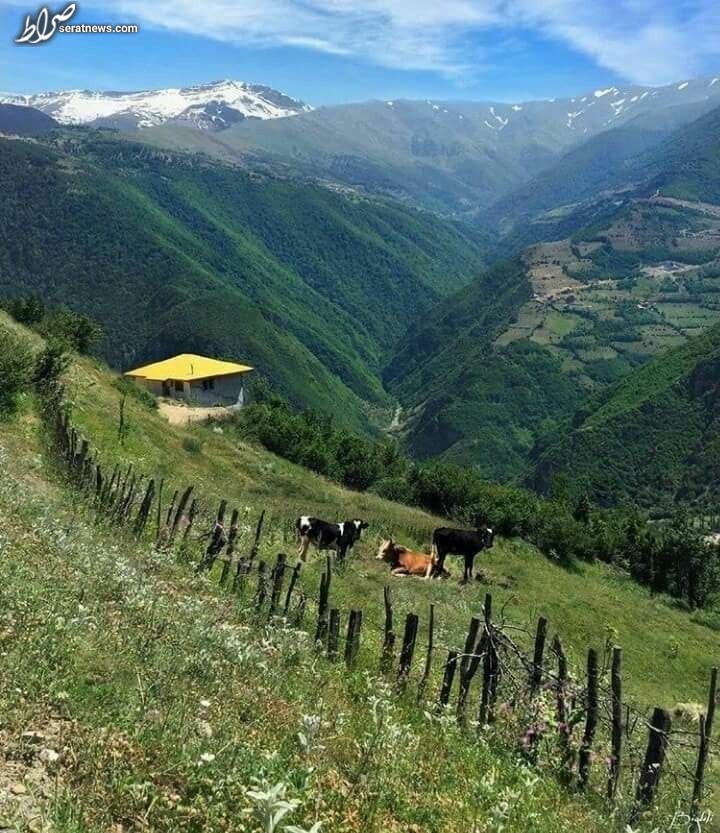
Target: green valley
[[170, 253]]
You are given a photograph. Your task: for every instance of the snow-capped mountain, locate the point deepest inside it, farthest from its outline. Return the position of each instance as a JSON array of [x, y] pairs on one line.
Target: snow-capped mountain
[[212, 106]]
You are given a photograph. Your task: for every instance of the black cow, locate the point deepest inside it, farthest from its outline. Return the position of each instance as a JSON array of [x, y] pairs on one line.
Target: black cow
[[327, 536], [446, 540]]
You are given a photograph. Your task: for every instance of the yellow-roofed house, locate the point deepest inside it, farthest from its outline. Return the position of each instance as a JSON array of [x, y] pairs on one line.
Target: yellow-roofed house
[[196, 379]]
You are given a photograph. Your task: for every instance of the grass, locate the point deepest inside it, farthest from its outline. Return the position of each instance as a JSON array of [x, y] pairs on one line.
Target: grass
[[586, 604], [138, 697], [166, 699]]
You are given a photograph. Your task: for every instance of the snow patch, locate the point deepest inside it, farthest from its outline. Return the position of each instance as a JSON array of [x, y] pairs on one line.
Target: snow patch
[[517, 108], [683, 85], [153, 107]]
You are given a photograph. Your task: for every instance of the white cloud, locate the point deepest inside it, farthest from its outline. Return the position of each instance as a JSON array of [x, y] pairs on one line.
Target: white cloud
[[645, 41]]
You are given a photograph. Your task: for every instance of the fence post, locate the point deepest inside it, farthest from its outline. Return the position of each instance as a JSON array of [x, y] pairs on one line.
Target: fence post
[[706, 724], [490, 669], [617, 721], [447, 681], [591, 718], [468, 666], [190, 521], [159, 506], [428, 656], [295, 575], [538, 655], [217, 540], [560, 704], [145, 506], [408, 648], [182, 506], [388, 648], [278, 574], [323, 604], [660, 725], [232, 535], [333, 634], [352, 641], [261, 586]]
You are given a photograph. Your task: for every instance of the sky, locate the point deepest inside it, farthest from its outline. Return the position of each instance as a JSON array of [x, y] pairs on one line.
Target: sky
[[336, 51]]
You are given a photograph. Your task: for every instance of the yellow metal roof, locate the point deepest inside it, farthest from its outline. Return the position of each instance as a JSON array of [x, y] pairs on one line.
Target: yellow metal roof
[[187, 367]]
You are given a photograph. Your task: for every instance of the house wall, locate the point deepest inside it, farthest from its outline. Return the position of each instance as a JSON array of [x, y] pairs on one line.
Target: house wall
[[226, 390]]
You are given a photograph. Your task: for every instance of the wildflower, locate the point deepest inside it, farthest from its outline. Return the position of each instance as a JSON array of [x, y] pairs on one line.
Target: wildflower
[[206, 758]]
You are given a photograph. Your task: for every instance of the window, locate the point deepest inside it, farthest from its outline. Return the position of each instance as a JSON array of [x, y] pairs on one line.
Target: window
[[178, 385], [208, 384]]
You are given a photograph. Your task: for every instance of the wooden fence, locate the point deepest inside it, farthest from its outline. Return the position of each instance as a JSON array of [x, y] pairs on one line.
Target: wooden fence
[[568, 722]]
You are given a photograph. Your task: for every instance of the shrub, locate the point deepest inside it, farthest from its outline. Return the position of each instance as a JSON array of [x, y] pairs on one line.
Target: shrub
[[16, 364], [192, 445], [137, 392], [76, 331]]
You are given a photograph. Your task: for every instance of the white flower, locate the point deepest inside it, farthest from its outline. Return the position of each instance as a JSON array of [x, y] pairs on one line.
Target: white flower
[[206, 758]]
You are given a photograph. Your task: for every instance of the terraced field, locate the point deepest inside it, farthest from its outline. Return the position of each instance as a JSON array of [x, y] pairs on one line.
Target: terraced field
[[605, 304]]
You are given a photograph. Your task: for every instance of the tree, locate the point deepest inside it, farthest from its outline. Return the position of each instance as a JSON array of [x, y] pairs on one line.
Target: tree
[[15, 369]]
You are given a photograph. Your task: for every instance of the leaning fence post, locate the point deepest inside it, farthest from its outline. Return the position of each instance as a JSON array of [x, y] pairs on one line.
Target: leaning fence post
[[617, 722], [182, 506], [388, 647], [159, 507], [422, 685], [232, 535], [408, 648], [468, 666], [706, 724], [217, 540], [660, 725], [591, 718], [294, 576], [145, 506], [447, 680], [538, 654]]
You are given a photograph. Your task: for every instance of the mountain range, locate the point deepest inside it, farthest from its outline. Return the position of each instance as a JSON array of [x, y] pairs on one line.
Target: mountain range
[[213, 106], [494, 274]]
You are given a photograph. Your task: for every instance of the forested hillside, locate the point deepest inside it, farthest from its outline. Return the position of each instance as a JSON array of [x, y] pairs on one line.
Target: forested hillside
[[502, 364], [170, 253], [652, 438]]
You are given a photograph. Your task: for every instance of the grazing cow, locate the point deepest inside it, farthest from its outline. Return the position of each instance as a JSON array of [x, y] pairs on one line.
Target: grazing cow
[[327, 536], [405, 562], [446, 540]]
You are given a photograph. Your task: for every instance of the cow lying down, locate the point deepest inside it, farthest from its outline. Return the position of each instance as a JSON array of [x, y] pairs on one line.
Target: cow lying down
[[405, 562]]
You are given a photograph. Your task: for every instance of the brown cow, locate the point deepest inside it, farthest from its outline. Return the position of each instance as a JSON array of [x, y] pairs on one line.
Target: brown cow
[[405, 562]]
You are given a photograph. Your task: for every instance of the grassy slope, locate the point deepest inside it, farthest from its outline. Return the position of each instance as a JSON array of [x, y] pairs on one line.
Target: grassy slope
[[173, 254], [137, 696], [668, 656], [654, 436]]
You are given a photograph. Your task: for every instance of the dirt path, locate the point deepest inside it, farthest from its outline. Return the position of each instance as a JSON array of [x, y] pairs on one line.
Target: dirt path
[[184, 415]]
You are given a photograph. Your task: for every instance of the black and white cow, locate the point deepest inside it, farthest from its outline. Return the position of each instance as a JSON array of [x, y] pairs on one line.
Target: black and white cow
[[468, 543], [327, 536]]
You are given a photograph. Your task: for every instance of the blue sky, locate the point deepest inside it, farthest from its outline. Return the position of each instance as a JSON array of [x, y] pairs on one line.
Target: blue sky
[[331, 51]]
